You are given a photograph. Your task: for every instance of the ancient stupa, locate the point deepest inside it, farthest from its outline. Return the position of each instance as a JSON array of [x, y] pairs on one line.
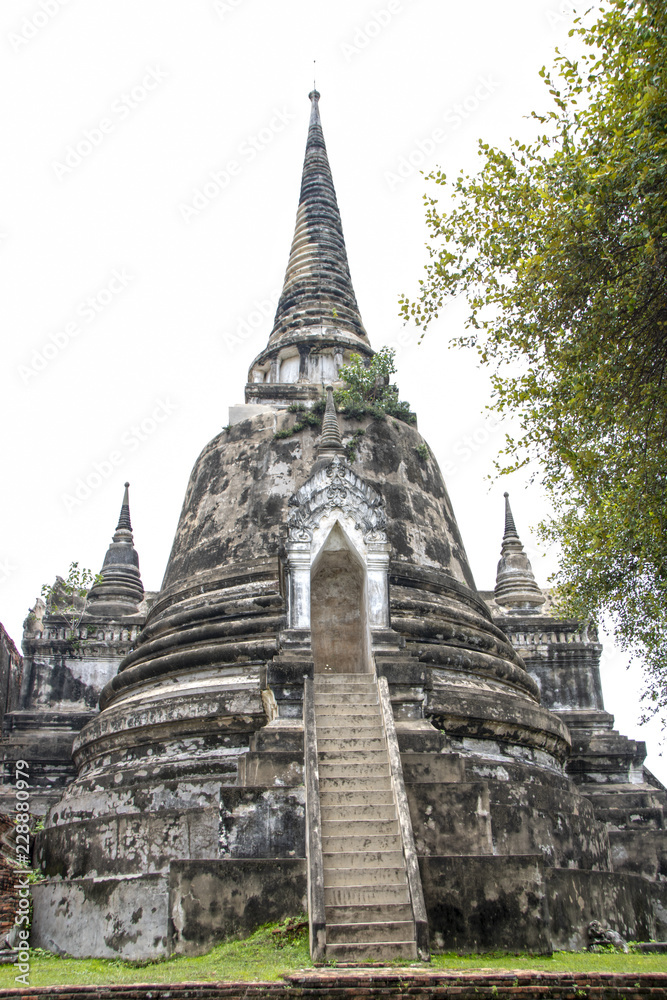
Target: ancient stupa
[[321, 712]]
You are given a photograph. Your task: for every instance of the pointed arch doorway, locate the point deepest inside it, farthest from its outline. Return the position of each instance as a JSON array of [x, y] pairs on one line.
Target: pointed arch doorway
[[336, 565], [338, 603]]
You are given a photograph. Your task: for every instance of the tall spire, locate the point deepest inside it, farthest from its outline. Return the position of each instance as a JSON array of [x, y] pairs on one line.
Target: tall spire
[[330, 443], [318, 291], [317, 311], [121, 589], [124, 523], [516, 588], [510, 527]]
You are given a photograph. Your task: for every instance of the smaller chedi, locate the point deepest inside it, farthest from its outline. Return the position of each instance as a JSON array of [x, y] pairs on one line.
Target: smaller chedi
[[68, 657], [319, 710]]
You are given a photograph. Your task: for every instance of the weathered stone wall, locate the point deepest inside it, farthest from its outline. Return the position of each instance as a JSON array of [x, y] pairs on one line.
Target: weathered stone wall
[[103, 917], [231, 898], [563, 658], [11, 669], [263, 822], [59, 693]]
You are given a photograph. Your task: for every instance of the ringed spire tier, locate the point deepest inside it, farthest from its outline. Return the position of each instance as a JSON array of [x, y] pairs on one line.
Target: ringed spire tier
[[317, 324], [515, 588], [120, 589]]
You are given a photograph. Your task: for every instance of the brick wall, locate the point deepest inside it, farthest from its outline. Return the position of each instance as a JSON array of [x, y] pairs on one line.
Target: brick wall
[[388, 984]]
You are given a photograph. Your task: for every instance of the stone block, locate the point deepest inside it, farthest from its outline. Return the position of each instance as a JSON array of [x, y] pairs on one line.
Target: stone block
[[625, 903], [268, 767], [286, 739], [450, 819], [431, 767], [130, 843], [557, 824], [262, 822], [210, 901], [102, 917], [246, 411], [419, 736], [486, 903], [639, 852]]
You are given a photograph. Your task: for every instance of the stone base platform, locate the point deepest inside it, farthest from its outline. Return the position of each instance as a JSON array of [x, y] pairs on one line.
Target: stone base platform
[[474, 904]]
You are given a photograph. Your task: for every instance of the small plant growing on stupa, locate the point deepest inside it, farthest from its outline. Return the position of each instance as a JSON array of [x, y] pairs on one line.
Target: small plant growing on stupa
[[68, 600], [369, 390]]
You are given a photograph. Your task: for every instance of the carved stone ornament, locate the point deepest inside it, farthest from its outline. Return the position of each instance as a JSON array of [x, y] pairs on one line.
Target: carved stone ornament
[[337, 487]]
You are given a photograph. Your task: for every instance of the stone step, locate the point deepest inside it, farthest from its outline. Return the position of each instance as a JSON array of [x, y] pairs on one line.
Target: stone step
[[342, 743], [333, 716], [332, 695], [350, 728], [338, 769], [365, 895], [365, 810], [369, 694], [345, 698], [363, 859], [332, 845], [357, 814], [347, 783], [340, 680], [367, 899], [353, 756], [356, 828], [382, 931], [359, 689], [372, 952], [377, 877], [372, 797], [372, 730], [371, 913]]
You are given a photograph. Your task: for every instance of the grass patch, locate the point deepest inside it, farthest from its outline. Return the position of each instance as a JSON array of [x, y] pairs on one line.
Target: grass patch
[[560, 961], [265, 955], [277, 949]]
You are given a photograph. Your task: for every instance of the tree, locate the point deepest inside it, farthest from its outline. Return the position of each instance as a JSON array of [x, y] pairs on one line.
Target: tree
[[369, 389], [560, 247], [68, 599]]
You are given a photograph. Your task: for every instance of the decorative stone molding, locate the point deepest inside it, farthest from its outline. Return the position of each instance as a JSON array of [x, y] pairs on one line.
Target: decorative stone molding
[[336, 494], [337, 487]]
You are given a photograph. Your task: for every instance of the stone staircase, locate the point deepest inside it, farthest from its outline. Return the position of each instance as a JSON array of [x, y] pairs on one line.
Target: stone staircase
[[368, 912]]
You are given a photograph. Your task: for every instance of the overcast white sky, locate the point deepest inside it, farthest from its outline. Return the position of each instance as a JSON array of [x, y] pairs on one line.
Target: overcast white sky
[[133, 305]]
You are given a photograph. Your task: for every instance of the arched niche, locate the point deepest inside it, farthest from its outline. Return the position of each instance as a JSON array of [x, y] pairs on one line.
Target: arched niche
[[338, 607], [336, 511]]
